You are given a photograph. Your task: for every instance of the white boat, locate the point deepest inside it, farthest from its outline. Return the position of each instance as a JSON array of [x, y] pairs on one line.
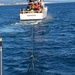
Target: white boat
[[32, 13]]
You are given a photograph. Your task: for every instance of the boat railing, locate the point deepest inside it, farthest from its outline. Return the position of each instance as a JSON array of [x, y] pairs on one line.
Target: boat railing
[[23, 11]]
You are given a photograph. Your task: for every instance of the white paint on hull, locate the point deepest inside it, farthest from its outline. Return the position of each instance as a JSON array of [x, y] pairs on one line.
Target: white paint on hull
[[34, 16]]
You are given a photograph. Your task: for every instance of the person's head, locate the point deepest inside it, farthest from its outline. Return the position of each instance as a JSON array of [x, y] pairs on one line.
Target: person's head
[[35, 4]]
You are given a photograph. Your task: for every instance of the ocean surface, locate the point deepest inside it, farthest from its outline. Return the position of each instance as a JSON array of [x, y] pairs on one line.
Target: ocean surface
[[52, 40]]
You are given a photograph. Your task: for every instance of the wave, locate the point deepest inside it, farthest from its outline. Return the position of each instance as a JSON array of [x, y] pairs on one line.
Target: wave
[[27, 22]]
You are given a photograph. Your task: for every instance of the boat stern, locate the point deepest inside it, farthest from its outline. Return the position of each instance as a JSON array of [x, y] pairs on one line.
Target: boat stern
[[31, 16]]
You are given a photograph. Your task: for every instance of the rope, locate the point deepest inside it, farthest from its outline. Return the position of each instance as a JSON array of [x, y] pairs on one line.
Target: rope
[[32, 54], [31, 69]]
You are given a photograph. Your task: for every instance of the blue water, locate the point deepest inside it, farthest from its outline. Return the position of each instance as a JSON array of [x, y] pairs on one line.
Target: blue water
[[53, 43]]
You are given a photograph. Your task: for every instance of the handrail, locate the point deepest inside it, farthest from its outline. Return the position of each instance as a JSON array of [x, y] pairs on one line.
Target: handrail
[[22, 11]]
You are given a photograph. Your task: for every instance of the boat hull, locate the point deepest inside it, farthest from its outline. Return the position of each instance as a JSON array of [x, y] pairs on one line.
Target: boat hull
[[33, 16]]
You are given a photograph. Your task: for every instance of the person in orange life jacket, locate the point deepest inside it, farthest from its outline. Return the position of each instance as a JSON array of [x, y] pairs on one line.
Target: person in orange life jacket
[[36, 6], [39, 6]]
